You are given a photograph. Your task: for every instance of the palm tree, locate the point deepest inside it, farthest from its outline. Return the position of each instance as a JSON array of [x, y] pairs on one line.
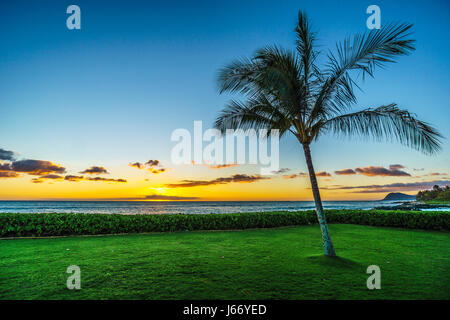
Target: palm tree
[[286, 90]]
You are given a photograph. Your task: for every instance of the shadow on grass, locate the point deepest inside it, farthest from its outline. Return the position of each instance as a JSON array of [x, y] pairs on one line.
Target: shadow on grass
[[337, 262]]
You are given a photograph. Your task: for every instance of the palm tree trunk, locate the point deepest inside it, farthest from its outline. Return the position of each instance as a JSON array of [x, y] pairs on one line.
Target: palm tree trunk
[[328, 248]]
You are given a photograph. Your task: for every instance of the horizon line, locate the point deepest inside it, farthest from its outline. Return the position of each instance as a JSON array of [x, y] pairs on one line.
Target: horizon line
[[143, 200]]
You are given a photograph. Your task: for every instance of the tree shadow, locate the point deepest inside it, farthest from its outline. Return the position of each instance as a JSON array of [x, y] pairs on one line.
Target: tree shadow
[[339, 262]]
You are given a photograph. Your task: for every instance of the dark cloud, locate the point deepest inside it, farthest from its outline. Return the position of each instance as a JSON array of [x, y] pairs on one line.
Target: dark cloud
[[105, 179], [372, 171], [47, 170], [323, 174], [153, 166], [420, 169], [158, 170], [392, 187], [280, 171], [152, 163], [47, 177], [137, 165], [51, 177], [6, 155], [44, 169], [95, 170], [5, 167], [243, 178], [73, 178], [295, 175], [36, 167], [8, 174], [345, 172], [396, 167]]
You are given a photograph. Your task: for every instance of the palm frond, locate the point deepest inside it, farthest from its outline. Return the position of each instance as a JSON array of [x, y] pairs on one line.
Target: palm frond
[[386, 122], [238, 76], [273, 72], [363, 54], [305, 45], [255, 113], [281, 77]]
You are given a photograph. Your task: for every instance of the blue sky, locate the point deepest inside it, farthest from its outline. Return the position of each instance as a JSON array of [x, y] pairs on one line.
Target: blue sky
[[114, 91]]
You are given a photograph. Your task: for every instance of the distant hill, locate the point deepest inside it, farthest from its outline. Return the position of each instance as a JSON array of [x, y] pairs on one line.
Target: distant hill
[[399, 196]]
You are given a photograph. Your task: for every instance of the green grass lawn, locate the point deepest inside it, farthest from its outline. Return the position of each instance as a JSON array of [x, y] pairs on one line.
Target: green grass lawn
[[444, 202], [283, 263]]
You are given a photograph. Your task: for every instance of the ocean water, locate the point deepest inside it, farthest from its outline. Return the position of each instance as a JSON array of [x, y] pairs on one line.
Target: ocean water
[[174, 207]]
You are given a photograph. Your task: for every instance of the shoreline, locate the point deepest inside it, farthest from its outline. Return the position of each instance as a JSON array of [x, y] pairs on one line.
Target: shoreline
[[414, 206]]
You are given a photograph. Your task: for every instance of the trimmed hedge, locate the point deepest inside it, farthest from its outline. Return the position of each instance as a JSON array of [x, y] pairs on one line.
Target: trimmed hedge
[[61, 224], [426, 220]]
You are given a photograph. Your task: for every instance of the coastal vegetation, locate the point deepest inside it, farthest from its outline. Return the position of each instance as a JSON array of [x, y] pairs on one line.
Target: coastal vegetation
[[63, 224], [280, 263], [287, 90], [437, 195]]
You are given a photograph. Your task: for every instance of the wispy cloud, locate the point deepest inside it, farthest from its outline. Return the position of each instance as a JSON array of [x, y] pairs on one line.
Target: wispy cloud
[[323, 174], [396, 167], [73, 178], [303, 174], [215, 166], [295, 175], [222, 166], [372, 171], [242, 178], [47, 177], [164, 197], [158, 170], [282, 170], [105, 179], [137, 165], [345, 172], [153, 197], [392, 187]]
